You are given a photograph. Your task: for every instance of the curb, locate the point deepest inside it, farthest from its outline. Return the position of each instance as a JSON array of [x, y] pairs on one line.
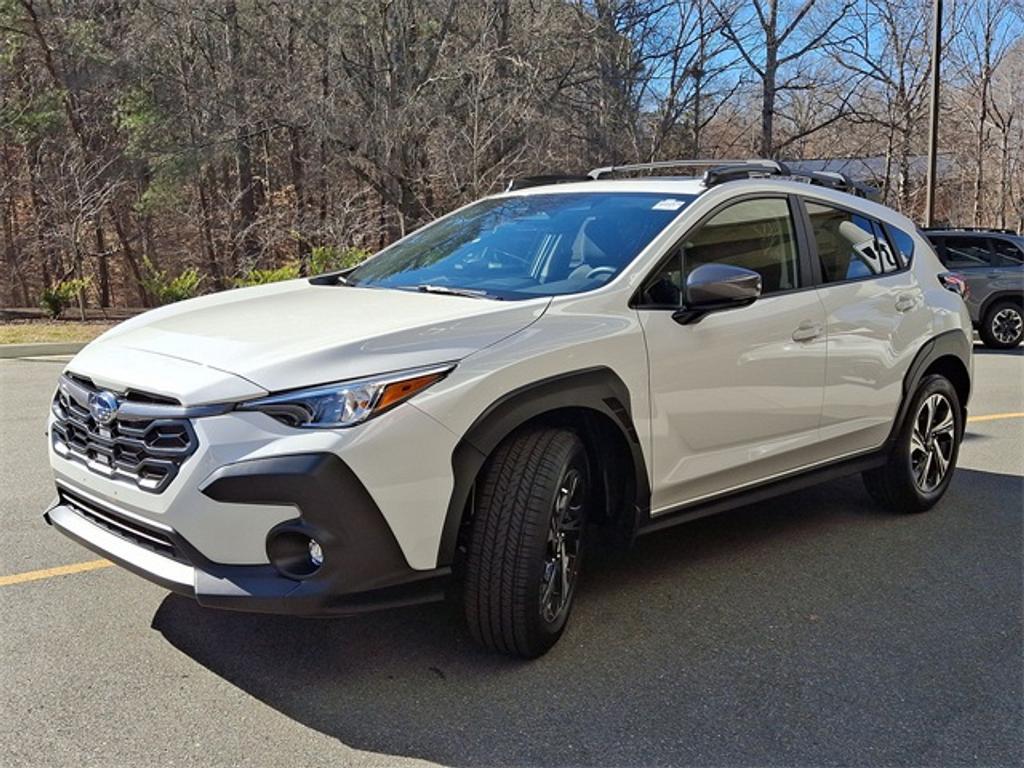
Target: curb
[[8, 351]]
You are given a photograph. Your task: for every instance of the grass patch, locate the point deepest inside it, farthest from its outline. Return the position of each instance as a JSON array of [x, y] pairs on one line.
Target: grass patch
[[40, 332]]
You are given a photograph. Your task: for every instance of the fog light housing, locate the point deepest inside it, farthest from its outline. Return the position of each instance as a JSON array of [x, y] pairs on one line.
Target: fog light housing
[[295, 553]]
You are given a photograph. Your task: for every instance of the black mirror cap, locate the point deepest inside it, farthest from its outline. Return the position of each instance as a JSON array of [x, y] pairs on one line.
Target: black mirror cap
[[714, 287]]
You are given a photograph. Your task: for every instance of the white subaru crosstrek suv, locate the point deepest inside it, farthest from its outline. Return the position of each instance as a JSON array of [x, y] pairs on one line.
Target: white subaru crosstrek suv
[[574, 357]]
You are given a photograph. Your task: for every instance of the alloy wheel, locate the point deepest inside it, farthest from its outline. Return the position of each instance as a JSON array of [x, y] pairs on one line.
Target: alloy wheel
[[1007, 325], [562, 551], [932, 441]]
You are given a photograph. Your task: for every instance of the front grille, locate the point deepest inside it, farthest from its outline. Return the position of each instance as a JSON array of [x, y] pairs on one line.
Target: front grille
[[127, 528], [138, 445]]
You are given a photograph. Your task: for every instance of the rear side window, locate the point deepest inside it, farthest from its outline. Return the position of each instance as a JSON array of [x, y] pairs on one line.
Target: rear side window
[[1007, 254], [850, 246], [964, 252]]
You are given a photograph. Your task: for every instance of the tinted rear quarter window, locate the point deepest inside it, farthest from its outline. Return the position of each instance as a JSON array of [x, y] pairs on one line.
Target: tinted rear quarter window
[[1008, 253], [904, 243]]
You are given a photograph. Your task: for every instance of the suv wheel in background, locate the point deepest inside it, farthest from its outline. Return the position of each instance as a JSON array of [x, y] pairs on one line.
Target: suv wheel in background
[[525, 545], [1003, 325], [923, 457]]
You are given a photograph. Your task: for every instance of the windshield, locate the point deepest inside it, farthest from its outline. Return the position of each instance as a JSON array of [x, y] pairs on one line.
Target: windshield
[[524, 247]]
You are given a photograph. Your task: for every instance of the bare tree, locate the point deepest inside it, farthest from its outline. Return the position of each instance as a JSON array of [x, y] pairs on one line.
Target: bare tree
[[774, 38]]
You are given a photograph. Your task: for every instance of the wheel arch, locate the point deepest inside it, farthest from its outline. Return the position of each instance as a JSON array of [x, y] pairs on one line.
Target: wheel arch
[[948, 354], [1017, 297], [595, 403]]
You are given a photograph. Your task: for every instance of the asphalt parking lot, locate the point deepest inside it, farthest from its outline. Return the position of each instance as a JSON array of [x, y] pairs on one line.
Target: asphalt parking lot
[[813, 630]]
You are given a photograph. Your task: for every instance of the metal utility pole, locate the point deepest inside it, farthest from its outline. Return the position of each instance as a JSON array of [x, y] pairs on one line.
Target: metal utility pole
[[933, 122]]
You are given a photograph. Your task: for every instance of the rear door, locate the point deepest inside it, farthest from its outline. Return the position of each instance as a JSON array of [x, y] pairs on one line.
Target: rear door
[[1008, 269], [876, 321]]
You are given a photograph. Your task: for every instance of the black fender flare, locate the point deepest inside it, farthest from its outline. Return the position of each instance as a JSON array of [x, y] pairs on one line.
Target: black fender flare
[[986, 305], [597, 389], [953, 343]]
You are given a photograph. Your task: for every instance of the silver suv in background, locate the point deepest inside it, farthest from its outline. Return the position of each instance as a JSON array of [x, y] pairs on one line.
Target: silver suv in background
[[991, 262]]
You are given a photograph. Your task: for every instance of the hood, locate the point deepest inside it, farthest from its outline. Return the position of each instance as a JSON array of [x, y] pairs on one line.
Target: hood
[[295, 334]]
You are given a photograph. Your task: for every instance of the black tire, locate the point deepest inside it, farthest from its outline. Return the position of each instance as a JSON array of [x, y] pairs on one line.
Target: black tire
[[897, 485], [1003, 325], [509, 589]]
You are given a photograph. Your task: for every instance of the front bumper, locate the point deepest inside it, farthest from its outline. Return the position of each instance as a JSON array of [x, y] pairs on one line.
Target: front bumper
[[364, 567]]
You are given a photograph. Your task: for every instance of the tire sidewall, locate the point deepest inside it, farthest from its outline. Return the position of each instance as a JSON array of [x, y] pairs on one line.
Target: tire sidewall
[[989, 336], [930, 385], [576, 457]]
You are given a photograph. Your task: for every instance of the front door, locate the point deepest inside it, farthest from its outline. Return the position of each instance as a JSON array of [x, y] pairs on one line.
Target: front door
[[735, 397]]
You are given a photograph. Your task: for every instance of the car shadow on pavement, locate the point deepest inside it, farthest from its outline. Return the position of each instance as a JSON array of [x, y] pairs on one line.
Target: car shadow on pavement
[[811, 629]]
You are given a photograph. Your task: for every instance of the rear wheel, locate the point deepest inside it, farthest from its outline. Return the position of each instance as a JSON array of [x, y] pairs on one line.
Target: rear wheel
[[1003, 326], [526, 541], [923, 457]]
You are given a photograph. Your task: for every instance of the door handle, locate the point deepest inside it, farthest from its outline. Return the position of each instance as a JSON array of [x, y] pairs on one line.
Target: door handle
[[807, 330], [905, 302]]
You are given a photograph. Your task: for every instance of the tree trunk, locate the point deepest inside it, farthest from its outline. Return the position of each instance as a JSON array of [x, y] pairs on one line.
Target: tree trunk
[[206, 227], [102, 265], [130, 257], [243, 145], [298, 171], [1004, 180]]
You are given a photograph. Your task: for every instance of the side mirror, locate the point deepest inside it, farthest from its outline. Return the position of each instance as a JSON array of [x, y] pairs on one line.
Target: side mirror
[[716, 287]]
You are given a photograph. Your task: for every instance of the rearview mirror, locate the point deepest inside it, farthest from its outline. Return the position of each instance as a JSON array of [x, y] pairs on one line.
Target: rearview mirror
[[717, 287]]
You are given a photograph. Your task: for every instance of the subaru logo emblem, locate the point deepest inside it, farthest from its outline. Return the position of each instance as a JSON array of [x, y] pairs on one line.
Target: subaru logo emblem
[[103, 407]]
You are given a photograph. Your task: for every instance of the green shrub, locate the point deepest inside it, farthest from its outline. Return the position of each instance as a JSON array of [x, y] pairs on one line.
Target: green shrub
[[289, 271], [323, 258], [55, 300], [165, 289], [330, 258]]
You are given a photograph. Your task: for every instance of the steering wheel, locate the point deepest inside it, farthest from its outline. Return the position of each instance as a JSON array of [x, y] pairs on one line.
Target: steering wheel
[[597, 272]]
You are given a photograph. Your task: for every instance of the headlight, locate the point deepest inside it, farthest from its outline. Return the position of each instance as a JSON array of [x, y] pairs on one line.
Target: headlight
[[347, 403]]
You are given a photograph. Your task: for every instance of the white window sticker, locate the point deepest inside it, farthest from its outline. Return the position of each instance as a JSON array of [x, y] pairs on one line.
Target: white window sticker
[[668, 204]]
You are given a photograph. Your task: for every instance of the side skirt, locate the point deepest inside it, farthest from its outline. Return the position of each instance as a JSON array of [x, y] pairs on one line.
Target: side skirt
[[763, 492]]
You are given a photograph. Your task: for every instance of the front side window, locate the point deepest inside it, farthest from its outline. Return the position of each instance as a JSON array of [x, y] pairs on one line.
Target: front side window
[[526, 246], [850, 246], [965, 252], [754, 234]]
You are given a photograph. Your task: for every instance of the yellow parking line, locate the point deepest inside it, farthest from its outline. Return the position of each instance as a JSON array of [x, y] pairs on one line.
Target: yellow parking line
[[47, 573], [994, 417]]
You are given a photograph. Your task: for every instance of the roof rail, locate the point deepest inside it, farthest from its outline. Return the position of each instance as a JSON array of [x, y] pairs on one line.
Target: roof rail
[[717, 172], [838, 181], [743, 170], [768, 165], [996, 230], [538, 181]]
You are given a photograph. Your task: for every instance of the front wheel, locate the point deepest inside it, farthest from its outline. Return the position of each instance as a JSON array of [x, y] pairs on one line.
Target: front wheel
[[1003, 326], [921, 462], [526, 540]]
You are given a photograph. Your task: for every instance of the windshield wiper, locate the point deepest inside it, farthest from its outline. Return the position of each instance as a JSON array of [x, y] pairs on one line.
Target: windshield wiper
[[445, 290]]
